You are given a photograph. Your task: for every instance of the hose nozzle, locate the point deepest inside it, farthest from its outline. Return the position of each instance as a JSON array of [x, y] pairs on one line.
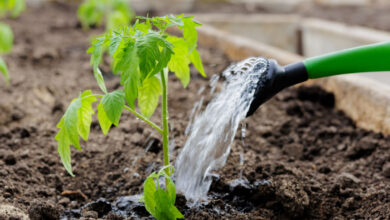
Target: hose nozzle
[[274, 79]]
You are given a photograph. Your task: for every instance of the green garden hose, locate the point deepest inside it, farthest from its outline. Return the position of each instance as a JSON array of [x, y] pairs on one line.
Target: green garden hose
[[371, 58], [273, 77]]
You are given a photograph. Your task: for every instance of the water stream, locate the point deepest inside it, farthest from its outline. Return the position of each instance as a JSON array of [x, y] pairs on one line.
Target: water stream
[[212, 131]]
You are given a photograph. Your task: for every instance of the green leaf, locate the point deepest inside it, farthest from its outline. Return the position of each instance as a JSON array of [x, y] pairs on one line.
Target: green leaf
[[17, 8], [131, 86], [113, 104], [76, 121], [117, 19], [64, 147], [148, 95], [197, 62], [179, 61], [97, 50], [163, 205], [126, 61], [160, 203], [85, 114], [70, 123], [6, 38], [12, 7], [149, 194], [143, 27], [91, 12], [189, 33], [149, 52], [115, 40], [4, 69], [100, 80], [175, 213], [104, 121], [171, 190], [124, 57]]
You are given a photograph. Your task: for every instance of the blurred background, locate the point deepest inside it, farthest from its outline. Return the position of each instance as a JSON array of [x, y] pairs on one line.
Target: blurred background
[[300, 27]]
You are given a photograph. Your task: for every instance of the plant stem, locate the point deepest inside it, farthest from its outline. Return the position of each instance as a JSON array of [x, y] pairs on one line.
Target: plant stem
[[164, 115], [143, 118]]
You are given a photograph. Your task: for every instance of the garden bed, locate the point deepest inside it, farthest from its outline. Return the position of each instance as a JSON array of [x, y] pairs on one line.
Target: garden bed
[[373, 16], [302, 157]]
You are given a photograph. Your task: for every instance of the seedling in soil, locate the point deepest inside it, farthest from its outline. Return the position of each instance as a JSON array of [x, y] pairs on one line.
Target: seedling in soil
[[6, 42], [11, 8], [117, 13], [142, 55]]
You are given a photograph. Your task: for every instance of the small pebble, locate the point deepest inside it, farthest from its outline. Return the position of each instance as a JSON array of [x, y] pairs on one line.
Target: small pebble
[[386, 170]]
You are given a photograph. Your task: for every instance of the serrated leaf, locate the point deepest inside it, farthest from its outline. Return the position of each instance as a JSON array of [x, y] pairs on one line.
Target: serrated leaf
[[70, 123], [100, 80], [64, 147], [131, 86], [6, 38], [115, 41], [104, 121], [96, 51], [85, 114], [142, 27], [124, 57], [4, 69], [148, 95], [197, 62], [189, 33], [179, 61], [166, 53], [149, 52], [76, 120], [113, 104]]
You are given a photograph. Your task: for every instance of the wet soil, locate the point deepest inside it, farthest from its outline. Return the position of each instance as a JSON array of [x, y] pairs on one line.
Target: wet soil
[[302, 158]]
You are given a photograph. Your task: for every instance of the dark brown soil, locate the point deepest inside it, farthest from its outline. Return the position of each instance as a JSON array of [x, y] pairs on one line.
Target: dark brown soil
[[303, 159]]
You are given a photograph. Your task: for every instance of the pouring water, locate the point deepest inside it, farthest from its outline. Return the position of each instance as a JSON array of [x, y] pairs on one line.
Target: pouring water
[[213, 131]]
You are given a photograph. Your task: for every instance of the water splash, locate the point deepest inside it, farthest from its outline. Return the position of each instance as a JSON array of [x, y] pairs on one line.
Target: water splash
[[242, 153], [213, 131]]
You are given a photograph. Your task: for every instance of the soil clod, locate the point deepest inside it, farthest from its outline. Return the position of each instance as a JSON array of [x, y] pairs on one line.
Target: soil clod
[[43, 210]]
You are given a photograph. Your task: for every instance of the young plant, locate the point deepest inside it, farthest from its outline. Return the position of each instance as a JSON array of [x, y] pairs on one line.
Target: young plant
[[142, 55], [11, 8], [6, 42], [116, 12]]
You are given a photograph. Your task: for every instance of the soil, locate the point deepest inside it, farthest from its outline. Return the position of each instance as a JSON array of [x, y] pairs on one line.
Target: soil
[[302, 157]]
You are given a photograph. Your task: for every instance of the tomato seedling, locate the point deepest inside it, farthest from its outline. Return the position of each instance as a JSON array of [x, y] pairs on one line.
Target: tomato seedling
[[6, 42], [142, 55], [116, 13], [11, 8]]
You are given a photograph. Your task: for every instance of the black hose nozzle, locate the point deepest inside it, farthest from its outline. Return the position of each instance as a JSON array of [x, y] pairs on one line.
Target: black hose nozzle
[[275, 79]]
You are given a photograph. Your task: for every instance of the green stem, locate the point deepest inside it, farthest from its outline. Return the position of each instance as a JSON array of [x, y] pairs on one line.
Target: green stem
[[143, 118], [165, 116]]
